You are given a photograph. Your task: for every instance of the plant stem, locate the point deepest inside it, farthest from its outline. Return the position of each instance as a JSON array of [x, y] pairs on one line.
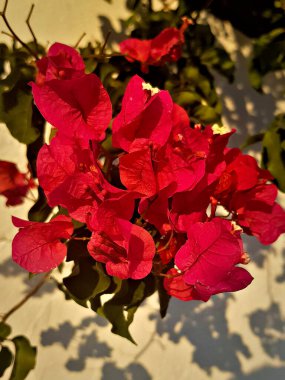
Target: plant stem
[[79, 40], [3, 15], [30, 27], [26, 298]]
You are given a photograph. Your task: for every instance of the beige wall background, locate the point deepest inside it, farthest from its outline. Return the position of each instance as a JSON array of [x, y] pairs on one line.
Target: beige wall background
[[232, 337]]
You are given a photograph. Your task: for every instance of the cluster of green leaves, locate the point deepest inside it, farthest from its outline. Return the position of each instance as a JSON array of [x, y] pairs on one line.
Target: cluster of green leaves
[[16, 101], [88, 285], [22, 358], [190, 80]]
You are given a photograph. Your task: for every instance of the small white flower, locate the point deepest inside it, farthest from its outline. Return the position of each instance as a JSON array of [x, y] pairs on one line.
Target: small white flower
[[220, 129], [148, 86]]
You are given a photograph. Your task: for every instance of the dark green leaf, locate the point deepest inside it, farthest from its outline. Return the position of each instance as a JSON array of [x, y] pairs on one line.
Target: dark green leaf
[[16, 113], [4, 51], [6, 359], [268, 55], [274, 150], [163, 297], [121, 308], [77, 249], [5, 330], [86, 280], [40, 210], [206, 114], [253, 139], [25, 358]]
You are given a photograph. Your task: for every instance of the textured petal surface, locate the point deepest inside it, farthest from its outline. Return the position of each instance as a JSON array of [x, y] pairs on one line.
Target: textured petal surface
[[37, 246], [63, 105]]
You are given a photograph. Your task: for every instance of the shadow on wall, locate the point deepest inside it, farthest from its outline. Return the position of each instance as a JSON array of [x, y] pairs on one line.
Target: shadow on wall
[[263, 373], [90, 347], [243, 107], [10, 269], [269, 326], [206, 328]]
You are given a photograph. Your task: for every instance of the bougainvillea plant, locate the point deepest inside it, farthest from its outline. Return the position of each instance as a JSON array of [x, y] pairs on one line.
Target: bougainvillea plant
[[138, 187], [151, 204]]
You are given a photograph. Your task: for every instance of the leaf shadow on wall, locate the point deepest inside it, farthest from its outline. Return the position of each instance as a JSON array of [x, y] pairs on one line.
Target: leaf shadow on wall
[[89, 346], [205, 326]]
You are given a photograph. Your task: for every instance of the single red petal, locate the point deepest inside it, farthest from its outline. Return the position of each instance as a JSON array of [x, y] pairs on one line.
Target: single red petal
[[143, 116], [236, 280], [140, 253], [266, 223], [177, 287], [37, 246], [61, 62], [135, 49], [63, 104], [14, 185], [163, 43], [69, 55], [136, 172], [210, 252]]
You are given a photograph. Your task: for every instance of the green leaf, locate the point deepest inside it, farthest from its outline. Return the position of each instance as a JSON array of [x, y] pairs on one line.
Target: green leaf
[[253, 139], [40, 210], [6, 358], [4, 51], [87, 280], [25, 358], [268, 55], [5, 330], [16, 113], [273, 154], [206, 114], [187, 98], [163, 297], [120, 310]]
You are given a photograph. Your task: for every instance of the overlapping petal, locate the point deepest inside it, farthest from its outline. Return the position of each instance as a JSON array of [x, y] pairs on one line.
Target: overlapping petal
[[78, 107]]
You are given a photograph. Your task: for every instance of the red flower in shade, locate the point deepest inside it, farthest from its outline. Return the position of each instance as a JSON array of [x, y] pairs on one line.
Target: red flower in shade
[[61, 62], [258, 213], [241, 173], [78, 107], [208, 259], [165, 47], [127, 251], [37, 246], [14, 185]]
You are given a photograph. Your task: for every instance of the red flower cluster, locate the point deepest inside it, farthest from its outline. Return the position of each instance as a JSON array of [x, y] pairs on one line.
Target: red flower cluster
[[165, 47], [162, 216], [14, 185]]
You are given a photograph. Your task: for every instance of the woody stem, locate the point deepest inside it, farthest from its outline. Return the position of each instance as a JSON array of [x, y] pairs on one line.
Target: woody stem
[[3, 15], [26, 298]]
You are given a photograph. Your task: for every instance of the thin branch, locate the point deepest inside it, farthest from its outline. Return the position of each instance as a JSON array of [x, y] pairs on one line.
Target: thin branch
[[30, 27], [26, 298], [105, 42], [3, 15], [7, 34], [79, 40]]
